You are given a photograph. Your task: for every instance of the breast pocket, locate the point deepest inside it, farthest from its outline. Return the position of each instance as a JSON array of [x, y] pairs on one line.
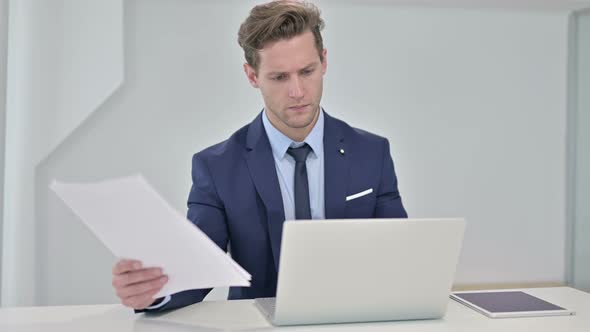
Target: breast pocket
[[361, 204]]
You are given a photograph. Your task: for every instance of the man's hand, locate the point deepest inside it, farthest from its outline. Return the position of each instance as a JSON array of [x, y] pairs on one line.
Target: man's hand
[[135, 285]]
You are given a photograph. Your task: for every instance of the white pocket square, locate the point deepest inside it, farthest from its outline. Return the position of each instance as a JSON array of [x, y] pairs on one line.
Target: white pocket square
[[357, 195]]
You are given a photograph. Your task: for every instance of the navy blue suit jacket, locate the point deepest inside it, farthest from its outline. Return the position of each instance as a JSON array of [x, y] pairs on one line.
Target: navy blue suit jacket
[[236, 199]]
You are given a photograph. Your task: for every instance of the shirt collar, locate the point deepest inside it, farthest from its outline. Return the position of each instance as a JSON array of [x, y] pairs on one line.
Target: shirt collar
[[279, 142]]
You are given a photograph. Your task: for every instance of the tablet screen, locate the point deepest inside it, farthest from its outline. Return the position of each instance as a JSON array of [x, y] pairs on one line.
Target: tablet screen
[[512, 301]]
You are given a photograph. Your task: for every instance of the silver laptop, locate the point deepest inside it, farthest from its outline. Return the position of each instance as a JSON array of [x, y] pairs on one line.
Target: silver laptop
[[361, 270]]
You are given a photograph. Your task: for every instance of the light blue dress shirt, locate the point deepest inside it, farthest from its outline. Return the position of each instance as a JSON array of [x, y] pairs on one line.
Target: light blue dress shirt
[[285, 166]]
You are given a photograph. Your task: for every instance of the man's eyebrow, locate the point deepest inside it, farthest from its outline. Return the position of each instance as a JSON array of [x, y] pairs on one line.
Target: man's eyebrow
[[276, 73], [309, 66]]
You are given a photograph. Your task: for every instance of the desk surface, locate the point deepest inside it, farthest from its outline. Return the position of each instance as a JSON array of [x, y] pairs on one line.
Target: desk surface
[[243, 316]]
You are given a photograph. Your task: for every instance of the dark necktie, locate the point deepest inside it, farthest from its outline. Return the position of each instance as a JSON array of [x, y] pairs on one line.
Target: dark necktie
[[302, 210]]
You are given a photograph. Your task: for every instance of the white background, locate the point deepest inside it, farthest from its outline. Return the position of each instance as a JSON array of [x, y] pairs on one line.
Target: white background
[[474, 102], [581, 230]]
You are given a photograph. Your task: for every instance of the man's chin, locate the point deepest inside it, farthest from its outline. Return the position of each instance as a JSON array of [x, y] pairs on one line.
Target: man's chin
[[302, 119], [300, 124]]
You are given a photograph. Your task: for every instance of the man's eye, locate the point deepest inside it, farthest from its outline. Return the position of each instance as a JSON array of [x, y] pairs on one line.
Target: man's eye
[[307, 72], [280, 77]]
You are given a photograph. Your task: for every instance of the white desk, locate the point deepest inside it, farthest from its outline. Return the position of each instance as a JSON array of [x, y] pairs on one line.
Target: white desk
[[243, 316]]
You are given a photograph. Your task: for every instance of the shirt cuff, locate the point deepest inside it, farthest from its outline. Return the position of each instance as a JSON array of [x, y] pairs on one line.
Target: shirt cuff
[[161, 304]]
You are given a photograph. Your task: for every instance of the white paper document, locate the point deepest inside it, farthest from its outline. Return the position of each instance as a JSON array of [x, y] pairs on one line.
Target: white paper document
[[135, 222]]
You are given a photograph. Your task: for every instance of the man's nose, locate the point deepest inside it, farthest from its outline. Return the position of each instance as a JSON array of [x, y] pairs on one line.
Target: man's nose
[[296, 88]]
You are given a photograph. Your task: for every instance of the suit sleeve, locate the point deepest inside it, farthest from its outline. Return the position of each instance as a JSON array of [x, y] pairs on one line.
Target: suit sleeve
[[206, 211], [389, 201]]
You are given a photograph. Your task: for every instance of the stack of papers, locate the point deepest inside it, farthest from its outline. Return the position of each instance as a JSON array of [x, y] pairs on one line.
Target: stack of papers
[[135, 222]]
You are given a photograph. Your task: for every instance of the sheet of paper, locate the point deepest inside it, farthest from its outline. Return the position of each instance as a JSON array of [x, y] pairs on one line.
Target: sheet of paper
[[134, 221]]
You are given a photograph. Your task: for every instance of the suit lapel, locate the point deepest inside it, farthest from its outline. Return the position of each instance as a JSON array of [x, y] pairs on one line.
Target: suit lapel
[[263, 172], [336, 170]]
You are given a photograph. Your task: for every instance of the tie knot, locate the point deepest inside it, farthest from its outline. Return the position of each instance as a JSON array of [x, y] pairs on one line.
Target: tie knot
[[300, 153]]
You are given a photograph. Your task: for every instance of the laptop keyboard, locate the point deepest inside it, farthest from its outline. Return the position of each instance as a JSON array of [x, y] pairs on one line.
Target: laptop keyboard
[[267, 306]]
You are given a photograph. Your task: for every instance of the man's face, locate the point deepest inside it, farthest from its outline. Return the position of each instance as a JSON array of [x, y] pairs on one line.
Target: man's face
[[290, 77]]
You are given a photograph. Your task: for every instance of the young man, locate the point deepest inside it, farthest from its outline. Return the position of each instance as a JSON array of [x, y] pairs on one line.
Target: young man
[[293, 161]]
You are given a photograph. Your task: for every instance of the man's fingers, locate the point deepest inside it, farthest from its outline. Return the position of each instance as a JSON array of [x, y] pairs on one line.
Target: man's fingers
[[132, 277], [142, 287], [126, 265], [140, 301], [135, 285]]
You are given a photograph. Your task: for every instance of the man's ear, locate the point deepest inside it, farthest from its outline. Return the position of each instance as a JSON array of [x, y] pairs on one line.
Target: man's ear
[[325, 62], [251, 75]]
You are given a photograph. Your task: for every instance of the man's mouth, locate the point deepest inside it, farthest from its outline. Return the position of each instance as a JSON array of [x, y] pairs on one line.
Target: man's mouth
[[298, 107]]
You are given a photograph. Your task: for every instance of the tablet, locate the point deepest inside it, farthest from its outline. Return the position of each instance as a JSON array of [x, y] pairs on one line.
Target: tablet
[[504, 304]]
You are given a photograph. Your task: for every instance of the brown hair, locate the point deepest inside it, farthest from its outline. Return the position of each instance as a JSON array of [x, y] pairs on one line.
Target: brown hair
[[278, 20]]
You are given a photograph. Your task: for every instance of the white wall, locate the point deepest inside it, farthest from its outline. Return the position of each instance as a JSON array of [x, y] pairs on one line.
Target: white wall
[[65, 57], [581, 257], [18, 250], [473, 102], [3, 80]]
